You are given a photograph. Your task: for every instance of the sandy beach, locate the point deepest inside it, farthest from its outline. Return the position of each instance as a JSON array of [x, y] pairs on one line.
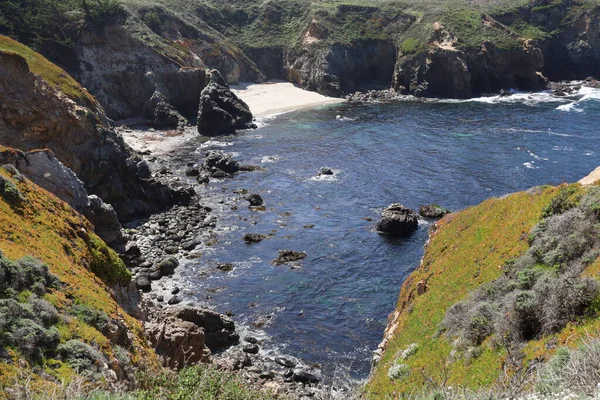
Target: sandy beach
[[278, 97]]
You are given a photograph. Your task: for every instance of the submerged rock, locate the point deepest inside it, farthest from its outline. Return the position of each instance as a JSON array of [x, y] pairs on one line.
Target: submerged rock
[[397, 220], [303, 376], [433, 211], [325, 171], [220, 111], [254, 237], [217, 160], [286, 256], [255, 200]]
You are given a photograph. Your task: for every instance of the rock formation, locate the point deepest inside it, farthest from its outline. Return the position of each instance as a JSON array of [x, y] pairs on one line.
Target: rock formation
[[184, 335], [220, 111], [397, 220], [46, 171], [34, 115]]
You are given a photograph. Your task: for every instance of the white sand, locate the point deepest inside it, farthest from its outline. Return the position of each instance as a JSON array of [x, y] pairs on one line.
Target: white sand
[[278, 97], [591, 178]]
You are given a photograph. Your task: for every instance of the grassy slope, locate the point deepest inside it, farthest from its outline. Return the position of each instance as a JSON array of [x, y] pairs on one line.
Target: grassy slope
[[48, 229], [54, 75], [466, 249]]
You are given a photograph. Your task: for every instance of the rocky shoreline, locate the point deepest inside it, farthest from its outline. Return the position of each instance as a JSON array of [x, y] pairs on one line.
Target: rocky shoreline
[[166, 243]]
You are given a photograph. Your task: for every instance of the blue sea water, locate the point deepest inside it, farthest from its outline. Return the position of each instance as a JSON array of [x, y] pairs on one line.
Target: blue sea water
[[333, 309]]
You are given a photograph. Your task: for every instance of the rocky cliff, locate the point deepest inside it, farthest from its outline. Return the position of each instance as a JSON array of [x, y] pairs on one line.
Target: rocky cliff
[[37, 113], [147, 60]]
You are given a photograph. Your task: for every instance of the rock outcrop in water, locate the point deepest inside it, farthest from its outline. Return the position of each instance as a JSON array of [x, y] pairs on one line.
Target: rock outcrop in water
[[397, 220], [220, 111], [35, 114]]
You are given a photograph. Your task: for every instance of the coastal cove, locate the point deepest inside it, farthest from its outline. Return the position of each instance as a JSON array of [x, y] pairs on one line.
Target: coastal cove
[[330, 310]]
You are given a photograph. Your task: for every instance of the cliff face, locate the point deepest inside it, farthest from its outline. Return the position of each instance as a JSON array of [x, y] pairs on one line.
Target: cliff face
[[473, 53], [36, 114], [158, 49]]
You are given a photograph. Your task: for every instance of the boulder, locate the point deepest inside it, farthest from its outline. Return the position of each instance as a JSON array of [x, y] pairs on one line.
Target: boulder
[[250, 349], [255, 200], [221, 112], [397, 220], [325, 171], [180, 343], [221, 161], [433, 211], [164, 115], [167, 266], [143, 283], [253, 237], [286, 256], [303, 376], [219, 330]]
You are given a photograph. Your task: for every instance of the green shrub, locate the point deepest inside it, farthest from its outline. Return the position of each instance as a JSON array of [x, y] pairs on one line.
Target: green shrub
[[10, 193], [561, 202], [410, 46], [32, 339], [82, 357], [91, 316], [102, 11], [541, 291]]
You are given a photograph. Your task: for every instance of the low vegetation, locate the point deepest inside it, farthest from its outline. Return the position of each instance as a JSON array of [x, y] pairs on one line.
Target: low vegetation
[[56, 314], [508, 282]]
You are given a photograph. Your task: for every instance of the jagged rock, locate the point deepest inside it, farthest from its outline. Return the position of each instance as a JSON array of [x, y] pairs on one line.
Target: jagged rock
[[221, 161], [219, 330], [286, 256], [105, 221], [180, 343], [397, 220], [433, 211], [255, 200], [36, 115], [46, 171], [164, 115], [221, 112], [234, 361], [254, 237]]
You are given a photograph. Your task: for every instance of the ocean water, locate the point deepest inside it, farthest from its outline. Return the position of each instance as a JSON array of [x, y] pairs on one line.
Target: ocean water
[[332, 310]]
